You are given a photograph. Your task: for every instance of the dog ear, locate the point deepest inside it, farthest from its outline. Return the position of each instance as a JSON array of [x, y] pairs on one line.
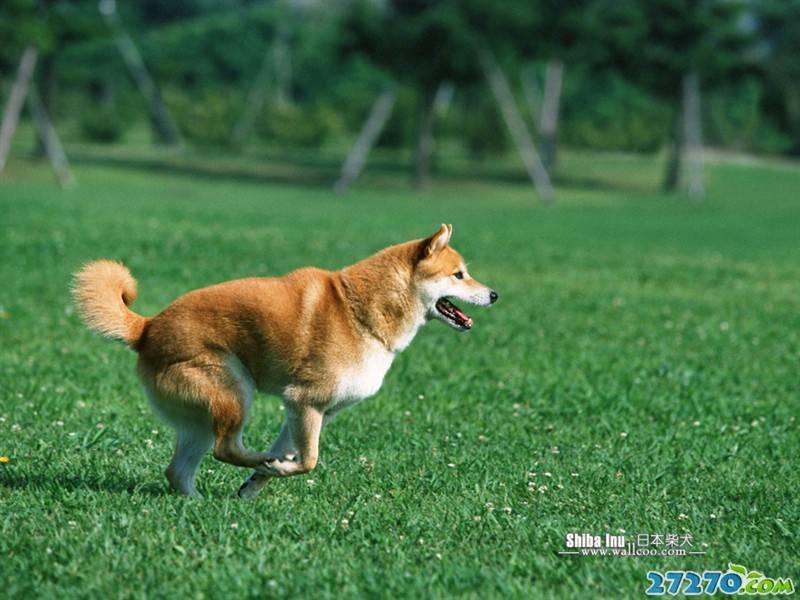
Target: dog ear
[[438, 241]]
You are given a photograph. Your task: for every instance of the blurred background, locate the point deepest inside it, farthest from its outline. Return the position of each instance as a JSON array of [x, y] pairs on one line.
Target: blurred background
[[313, 91]]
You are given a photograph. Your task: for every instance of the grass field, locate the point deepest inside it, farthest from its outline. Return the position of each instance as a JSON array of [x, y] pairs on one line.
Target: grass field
[[639, 373]]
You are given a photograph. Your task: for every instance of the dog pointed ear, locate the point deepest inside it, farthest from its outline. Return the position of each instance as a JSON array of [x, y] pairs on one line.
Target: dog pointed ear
[[438, 241]]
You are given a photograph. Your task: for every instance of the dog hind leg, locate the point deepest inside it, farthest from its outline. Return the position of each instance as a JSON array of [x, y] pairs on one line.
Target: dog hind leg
[[206, 401], [193, 442], [229, 413]]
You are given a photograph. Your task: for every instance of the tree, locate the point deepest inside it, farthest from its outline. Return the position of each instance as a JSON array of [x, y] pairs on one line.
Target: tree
[[777, 24], [660, 43], [20, 27], [357, 157], [554, 32], [420, 44], [505, 100], [16, 99], [24, 36], [34, 32], [275, 69], [64, 22], [163, 126]]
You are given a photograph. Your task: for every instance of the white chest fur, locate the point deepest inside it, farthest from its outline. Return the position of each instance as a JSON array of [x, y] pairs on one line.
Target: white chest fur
[[363, 379]]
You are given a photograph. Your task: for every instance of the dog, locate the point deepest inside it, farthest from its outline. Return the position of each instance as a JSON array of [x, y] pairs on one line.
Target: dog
[[320, 340]]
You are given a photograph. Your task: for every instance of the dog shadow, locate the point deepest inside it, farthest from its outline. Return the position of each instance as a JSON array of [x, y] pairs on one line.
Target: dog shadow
[[111, 484]]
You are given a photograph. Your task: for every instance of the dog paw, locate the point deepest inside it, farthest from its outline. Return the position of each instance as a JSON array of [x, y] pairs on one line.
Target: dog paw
[[250, 488], [269, 468]]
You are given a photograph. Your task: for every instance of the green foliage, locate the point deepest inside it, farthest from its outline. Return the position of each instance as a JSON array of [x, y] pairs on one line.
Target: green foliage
[[158, 12], [673, 323], [476, 121], [343, 54], [352, 90], [735, 119], [301, 126], [217, 50], [656, 43], [205, 117], [207, 51], [419, 44], [20, 26], [401, 128], [734, 115], [608, 113], [48, 26], [778, 25], [102, 124]]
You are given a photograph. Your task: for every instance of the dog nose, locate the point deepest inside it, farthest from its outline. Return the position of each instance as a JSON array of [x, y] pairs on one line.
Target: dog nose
[[492, 296]]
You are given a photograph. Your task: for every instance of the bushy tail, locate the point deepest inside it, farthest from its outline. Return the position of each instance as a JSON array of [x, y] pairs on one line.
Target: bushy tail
[[103, 290]]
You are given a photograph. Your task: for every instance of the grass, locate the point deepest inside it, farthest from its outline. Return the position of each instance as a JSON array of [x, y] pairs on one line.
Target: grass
[[639, 372]]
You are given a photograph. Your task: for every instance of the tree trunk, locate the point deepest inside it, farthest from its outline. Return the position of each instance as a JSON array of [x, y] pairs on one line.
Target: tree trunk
[[52, 145], [283, 67], [686, 145], [105, 96], [693, 134], [425, 142], [162, 124], [255, 101], [357, 157], [443, 99], [532, 93], [516, 126], [164, 128], [548, 127], [791, 103], [47, 94], [13, 108], [672, 172]]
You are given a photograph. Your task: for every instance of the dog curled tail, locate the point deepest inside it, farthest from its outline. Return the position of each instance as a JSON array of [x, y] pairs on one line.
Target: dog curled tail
[[103, 290]]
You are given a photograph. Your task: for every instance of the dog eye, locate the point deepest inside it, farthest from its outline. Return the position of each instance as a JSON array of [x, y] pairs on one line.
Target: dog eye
[[459, 274]]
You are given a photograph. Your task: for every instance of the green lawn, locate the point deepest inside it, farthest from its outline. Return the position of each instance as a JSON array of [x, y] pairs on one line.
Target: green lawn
[[639, 373]]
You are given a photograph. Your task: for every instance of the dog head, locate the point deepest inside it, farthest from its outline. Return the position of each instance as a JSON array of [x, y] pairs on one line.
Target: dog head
[[441, 276]]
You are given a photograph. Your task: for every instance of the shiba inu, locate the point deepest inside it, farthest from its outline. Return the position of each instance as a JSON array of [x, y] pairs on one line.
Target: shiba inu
[[321, 340]]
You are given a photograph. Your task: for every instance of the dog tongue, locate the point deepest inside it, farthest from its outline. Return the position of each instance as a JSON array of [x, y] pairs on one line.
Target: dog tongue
[[459, 314], [467, 321]]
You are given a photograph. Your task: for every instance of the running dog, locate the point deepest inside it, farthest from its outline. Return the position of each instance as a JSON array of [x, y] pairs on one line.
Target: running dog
[[319, 339]]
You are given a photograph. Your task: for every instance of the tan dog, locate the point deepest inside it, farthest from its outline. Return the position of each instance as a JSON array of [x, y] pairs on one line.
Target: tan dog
[[319, 339]]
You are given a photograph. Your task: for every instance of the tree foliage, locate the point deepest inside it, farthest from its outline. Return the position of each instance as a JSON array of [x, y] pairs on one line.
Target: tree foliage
[[624, 61]]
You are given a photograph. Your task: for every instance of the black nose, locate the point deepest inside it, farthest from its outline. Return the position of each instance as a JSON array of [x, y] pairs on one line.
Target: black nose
[[492, 296]]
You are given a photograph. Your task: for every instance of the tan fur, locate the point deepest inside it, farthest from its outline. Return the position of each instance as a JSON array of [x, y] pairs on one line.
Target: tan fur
[[103, 290], [319, 339]]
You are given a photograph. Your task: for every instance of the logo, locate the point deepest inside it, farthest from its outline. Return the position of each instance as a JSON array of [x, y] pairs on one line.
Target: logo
[[736, 580], [622, 545]]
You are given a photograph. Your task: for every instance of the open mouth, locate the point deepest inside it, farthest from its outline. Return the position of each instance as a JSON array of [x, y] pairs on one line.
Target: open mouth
[[453, 314]]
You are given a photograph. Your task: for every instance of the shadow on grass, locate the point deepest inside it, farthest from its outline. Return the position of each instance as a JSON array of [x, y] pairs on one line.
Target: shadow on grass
[[39, 481], [323, 171], [276, 173]]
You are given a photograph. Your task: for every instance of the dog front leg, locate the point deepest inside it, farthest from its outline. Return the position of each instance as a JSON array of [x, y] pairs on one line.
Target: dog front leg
[[283, 447], [293, 453], [305, 425]]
